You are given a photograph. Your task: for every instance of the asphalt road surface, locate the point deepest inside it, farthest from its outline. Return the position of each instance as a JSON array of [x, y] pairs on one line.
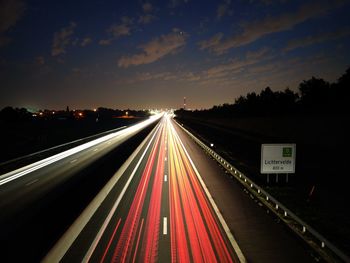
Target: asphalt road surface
[[170, 202], [37, 201]]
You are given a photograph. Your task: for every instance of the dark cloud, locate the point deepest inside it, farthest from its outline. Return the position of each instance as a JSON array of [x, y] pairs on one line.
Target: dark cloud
[[62, 39], [40, 60], [224, 9], [319, 38], [105, 42], [155, 49], [147, 7], [118, 30], [10, 12], [252, 31], [147, 16], [146, 19], [86, 41]]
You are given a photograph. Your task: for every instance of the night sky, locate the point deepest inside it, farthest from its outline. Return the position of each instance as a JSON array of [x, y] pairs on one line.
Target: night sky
[[150, 54]]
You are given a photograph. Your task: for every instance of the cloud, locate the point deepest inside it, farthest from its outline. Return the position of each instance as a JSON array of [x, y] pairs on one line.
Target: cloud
[[190, 76], [220, 73], [118, 30], [311, 40], [40, 60], [156, 76], [223, 70], [146, 19], [252, 31], [147, 7], [86, 41], [10, 12], [258, 54], [224, 9], [211, 43], [237, 65], [105, 42], [155, 49], [175, 3], [163, 76], [62, 39]]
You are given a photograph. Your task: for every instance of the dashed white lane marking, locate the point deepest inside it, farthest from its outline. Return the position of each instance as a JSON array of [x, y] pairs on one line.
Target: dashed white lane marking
[[165, 178], [165, 226], [73, 161], [32, 182]]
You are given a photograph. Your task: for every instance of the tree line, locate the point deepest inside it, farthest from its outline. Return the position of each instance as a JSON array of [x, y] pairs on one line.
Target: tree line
[[314, 96]]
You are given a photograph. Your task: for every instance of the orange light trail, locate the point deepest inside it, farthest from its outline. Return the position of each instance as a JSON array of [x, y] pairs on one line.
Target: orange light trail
[[191, 212]]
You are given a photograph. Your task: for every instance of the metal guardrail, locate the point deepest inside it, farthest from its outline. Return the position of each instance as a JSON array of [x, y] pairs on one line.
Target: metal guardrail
[[320, 244]]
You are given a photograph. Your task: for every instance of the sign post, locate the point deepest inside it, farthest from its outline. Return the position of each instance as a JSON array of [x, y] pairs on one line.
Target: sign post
[[278, 159]]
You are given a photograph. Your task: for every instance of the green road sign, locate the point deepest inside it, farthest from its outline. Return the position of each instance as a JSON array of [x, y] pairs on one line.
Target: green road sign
[[287, 151]]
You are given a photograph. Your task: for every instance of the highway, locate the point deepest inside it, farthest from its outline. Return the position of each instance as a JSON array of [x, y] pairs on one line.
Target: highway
[[170, 202], [34, 195]]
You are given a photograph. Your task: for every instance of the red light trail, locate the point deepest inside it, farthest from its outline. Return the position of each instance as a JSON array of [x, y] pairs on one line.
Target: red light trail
[[194, 234]]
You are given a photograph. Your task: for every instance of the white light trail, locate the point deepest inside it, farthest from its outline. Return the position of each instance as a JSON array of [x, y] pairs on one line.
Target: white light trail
[[8, 177]]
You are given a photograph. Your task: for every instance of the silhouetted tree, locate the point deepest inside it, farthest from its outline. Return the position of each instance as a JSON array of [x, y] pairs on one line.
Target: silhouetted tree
[[341, 92], [17, 114], [344, 80], [286, 101], [315, 94]]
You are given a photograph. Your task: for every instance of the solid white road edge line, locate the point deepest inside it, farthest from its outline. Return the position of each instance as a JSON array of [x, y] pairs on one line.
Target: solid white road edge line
[[230, 236], [65, 242]]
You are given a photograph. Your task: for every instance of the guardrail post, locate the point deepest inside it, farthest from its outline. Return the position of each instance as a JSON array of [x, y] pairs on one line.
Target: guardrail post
[[304, 229]]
